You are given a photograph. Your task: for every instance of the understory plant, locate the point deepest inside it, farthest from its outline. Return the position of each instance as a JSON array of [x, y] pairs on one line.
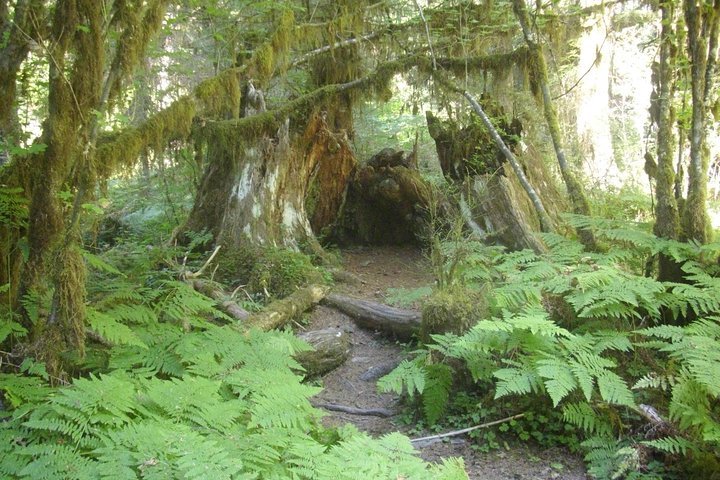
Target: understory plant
[[629, 361]]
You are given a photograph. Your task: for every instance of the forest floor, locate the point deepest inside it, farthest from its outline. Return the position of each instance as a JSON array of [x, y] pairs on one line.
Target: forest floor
[[381, 268]]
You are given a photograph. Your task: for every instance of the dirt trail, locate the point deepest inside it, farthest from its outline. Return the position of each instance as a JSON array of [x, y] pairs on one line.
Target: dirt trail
[[381, 268]]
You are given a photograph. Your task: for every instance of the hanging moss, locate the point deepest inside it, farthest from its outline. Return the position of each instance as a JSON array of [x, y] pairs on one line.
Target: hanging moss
[[123, 149], [71, 297], [499, 63], [273, 55], [220, 95], [138, 31]]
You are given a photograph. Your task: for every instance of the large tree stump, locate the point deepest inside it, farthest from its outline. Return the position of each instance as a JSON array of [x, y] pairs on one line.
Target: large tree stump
[[331, 349], [403, 324], [387, 201], [496, 200]]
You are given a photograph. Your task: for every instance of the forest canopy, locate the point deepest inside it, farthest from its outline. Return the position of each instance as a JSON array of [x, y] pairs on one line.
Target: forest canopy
[[179, 180]]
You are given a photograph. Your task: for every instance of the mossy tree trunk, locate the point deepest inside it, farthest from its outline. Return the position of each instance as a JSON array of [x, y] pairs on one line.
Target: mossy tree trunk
[[539, 70], [254, 189], [83, 80], [667, 218], [702, 22]]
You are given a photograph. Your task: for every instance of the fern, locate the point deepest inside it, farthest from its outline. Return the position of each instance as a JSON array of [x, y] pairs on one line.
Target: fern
[[408, 377], [436, 394], [672, 445]]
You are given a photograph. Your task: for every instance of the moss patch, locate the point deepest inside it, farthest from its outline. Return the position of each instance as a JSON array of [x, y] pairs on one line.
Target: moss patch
[[271, 271], [453, 310]]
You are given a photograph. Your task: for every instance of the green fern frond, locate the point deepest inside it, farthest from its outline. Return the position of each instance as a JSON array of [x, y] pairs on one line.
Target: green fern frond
[[672, 445], [435, 396], [408, 376], [111, 330], [583, 415], [516, 381]]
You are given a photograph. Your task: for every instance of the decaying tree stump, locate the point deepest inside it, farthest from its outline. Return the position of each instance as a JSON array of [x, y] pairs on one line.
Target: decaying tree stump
[[505, 211], [403, 324], [498, 204], [387, 201], [331, 349]]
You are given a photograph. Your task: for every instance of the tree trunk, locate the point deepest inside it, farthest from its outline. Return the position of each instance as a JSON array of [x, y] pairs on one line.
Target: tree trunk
[[702, 24], [667, 218], [574, 187], [254, 189], [15, 34]]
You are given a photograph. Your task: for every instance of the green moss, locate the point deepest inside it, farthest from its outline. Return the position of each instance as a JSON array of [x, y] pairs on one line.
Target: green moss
[[122, 150], [220, 95], [452, 310], [267, 270], [279, 272], [139, 30]]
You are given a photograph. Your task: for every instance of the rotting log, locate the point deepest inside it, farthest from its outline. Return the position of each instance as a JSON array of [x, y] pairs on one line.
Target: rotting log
[[331, 349], [343, 276], [403, 324], [214, 291], [279, 312]]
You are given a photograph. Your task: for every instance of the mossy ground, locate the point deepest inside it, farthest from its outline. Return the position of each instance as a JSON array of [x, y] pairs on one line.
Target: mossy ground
[[452, 310], [268, 271]]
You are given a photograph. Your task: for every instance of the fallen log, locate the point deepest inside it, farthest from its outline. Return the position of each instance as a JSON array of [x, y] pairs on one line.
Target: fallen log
[[331, 349], [375, 412], [403, 324], [377, 371], [212, 290], [279, 312]]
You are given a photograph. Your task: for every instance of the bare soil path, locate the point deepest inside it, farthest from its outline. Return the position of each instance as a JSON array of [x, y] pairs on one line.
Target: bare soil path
[[380, 268]]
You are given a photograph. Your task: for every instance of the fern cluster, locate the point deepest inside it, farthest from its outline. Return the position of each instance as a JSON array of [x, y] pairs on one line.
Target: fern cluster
[[173, 389], [230, 406], [565, 325]]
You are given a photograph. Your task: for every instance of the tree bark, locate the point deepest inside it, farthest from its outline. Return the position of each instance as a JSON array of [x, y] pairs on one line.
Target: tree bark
[[574, 187], [702, 24], [254, 190], [403, 324], [667, 218]]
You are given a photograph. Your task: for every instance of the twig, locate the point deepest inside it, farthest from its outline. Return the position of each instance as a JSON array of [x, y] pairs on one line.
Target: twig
[[466, 430], [427, 33], [191, 275], [375, 412]]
